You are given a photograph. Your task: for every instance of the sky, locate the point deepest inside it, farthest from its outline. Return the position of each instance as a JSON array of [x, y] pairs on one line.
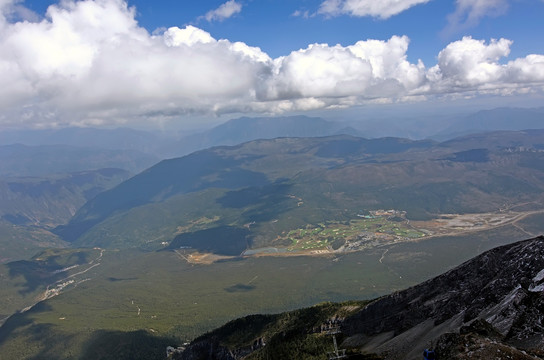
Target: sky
[[118, 63]]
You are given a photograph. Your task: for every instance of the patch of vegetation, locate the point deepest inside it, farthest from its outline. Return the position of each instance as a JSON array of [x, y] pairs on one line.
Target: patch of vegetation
[[24, 282], [333, 234], [198, 224], [20, 338], [47, 267]]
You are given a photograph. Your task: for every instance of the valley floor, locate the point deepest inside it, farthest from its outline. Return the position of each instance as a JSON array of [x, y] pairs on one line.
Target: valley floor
[[173, 296], [382, 228]]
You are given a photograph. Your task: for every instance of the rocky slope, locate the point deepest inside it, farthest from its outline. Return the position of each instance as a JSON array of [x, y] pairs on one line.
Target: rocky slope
[[489, 307], [503, 287]]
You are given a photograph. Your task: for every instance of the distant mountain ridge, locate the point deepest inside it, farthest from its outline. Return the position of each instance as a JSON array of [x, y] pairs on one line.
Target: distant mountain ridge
[[164, 144], [506, 119], [23, 160], [109, 139], [244, 129]]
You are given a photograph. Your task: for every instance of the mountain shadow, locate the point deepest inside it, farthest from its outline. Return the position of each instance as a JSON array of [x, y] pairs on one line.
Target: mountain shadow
[[119, 345], [473, 155], [260, 203], [223, 240], [240, 288]]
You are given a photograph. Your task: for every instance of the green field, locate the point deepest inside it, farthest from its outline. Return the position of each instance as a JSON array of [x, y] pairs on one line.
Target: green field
[[333, 234]]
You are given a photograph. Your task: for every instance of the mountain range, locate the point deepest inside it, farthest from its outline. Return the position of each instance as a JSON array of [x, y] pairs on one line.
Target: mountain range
[[509, 119], [257, 192], [167, 144], [162, 145]]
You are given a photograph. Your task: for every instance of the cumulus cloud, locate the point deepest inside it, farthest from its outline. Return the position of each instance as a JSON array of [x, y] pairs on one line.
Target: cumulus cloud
[[367, 69], [90, 59], [89, 62], [468, 13], [470, 64], [224, 11], [381, 9]]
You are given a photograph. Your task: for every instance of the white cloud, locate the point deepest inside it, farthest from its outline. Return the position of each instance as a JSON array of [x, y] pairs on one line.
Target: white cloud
[[381, 9], [367, 69], [473, 65], [304, 14], [526, 70], [468, 13], [469, 62], [90, 59], [89, 62], [224, 11], [188, 36]]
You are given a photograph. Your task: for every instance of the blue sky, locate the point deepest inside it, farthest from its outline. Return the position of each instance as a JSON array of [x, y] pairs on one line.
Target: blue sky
[[173, 61], [270, 25]]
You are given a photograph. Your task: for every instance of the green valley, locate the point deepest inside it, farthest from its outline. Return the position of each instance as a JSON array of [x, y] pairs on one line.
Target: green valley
[[156, 298]]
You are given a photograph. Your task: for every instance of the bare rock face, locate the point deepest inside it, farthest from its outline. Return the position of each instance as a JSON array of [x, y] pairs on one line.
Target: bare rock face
[[503, 287], [479, 341]]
